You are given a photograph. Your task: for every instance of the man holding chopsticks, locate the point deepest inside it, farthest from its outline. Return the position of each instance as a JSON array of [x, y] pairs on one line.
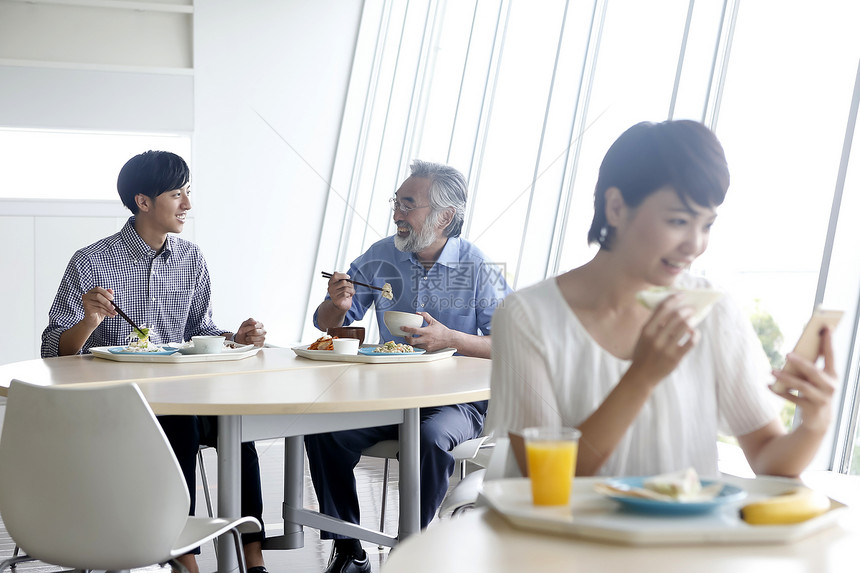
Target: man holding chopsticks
[[450, 283], [160, 281]]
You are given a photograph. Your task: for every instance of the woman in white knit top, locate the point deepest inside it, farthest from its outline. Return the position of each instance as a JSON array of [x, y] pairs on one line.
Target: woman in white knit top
[[648, 390]]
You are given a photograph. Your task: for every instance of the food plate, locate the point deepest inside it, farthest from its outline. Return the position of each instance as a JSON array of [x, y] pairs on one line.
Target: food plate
[[163, 351], [188, 350], [729, 494], [172, 357], [371, 351], [373, 357], [595, 516]]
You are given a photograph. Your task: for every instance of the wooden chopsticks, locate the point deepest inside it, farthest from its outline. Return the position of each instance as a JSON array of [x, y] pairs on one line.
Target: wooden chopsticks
[[125, 316], [329, 275]]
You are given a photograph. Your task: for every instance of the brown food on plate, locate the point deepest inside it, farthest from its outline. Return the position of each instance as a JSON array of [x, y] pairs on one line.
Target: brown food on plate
[[322, 343]]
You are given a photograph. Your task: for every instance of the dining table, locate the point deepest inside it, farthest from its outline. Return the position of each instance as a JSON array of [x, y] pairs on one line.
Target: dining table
[[276, 393], [485, 539]]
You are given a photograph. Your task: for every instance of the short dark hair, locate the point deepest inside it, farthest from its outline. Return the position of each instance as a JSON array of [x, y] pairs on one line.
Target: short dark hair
[[151, 173], [682, 154]]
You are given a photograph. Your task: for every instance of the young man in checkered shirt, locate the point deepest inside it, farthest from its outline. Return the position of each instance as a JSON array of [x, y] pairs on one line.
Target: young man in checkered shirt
[[160, 281]]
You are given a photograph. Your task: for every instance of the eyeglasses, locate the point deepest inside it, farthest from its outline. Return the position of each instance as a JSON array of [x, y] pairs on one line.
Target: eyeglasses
[[395, 205]]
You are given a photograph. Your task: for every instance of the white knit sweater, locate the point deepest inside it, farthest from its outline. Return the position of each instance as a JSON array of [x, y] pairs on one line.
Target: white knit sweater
[[548, 370]]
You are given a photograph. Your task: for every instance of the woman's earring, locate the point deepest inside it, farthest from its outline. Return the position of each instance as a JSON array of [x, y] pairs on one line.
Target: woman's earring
[[604, 234]]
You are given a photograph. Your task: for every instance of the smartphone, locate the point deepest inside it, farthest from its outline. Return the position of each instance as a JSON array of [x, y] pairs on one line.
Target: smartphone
[[807, 344]]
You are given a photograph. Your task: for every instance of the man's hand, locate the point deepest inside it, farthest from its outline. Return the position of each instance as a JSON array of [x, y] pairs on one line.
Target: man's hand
[[432, 337], [251, 332], [340, 290], [332, 311], [97, 306]]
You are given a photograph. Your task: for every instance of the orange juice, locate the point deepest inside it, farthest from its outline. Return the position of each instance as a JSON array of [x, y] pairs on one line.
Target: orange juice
[[551, 468]]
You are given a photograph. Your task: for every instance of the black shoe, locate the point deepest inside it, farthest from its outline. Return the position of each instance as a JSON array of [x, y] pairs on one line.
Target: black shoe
[[342, 562], [258, 569]]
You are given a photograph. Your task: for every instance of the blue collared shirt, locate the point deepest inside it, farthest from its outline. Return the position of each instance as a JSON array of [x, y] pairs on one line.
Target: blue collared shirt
[[461, 290], [167, 291]]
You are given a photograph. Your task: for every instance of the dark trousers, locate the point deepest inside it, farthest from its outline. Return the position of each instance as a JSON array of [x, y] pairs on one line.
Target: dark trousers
[[333, 457], [186, 434]]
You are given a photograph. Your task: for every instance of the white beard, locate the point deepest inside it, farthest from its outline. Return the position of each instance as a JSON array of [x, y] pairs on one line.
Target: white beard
[[417, 242]]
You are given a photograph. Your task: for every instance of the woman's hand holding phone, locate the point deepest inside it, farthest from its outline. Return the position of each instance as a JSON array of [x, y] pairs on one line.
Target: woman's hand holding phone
[[801, 381]]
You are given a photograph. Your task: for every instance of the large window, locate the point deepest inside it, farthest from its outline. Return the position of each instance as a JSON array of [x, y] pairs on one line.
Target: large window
[[526, 97]]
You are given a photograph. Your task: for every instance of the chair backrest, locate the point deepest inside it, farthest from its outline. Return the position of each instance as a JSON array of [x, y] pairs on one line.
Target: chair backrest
[[87, 477]]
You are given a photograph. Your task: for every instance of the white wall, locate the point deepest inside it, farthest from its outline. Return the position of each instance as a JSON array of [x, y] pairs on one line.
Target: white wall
[[256, 202], [270, 84]]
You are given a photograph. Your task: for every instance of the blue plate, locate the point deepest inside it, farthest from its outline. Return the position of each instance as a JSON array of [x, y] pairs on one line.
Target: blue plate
[[369, 351], [164, 351], [729, 494]]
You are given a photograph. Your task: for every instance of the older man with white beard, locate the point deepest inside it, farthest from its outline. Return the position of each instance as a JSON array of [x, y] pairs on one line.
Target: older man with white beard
[[446, 279]]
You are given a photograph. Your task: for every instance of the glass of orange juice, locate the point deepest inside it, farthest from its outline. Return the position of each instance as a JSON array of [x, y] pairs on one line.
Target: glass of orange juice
[[551, 459]]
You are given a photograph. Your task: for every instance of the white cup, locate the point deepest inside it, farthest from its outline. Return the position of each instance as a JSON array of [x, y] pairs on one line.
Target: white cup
[[208, 344], [345, 345]]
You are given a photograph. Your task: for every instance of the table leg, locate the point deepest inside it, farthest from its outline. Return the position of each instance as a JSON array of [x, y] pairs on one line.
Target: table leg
[[294, 483], [410, 479], [229, 484]]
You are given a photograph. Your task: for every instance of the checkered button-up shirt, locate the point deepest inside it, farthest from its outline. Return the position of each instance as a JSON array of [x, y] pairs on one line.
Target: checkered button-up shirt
[[167, 291]]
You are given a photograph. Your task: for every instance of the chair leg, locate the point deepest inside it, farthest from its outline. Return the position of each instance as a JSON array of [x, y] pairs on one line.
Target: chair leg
[[14, 560], [177, 566], [240, 550], [205, 479], [14, 565], [384, 498]]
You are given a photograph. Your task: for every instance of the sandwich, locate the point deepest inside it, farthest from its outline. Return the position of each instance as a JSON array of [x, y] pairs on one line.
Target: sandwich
[[682, 485], [701, 299]]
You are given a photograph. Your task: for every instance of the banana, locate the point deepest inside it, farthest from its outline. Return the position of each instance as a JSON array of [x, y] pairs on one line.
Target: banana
[[793, 506]]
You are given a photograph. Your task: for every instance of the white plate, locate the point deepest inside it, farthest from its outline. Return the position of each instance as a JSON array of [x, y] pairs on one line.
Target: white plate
[[191, 350], [176, 357], [163, 351], [729, 494], [329, 355], [371, 351], [595, 516]]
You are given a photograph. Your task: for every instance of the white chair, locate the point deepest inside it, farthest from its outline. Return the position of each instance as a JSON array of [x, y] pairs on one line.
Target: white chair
[[90, 482], [207, 496], [466, 494], [388, 450]]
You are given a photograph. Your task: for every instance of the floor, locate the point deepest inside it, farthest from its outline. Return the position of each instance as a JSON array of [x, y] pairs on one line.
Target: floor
[[313, 557]]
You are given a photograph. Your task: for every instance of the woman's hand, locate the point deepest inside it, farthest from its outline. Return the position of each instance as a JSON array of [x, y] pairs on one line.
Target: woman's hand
[[664, 341], [769, 449], [809, 387]]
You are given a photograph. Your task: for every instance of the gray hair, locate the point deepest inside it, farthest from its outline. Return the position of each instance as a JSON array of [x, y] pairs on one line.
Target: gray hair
[[447, 190]]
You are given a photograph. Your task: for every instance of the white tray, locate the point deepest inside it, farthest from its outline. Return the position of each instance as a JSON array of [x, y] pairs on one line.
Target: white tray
[[177, 357], [594, 516], [329, 355]]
